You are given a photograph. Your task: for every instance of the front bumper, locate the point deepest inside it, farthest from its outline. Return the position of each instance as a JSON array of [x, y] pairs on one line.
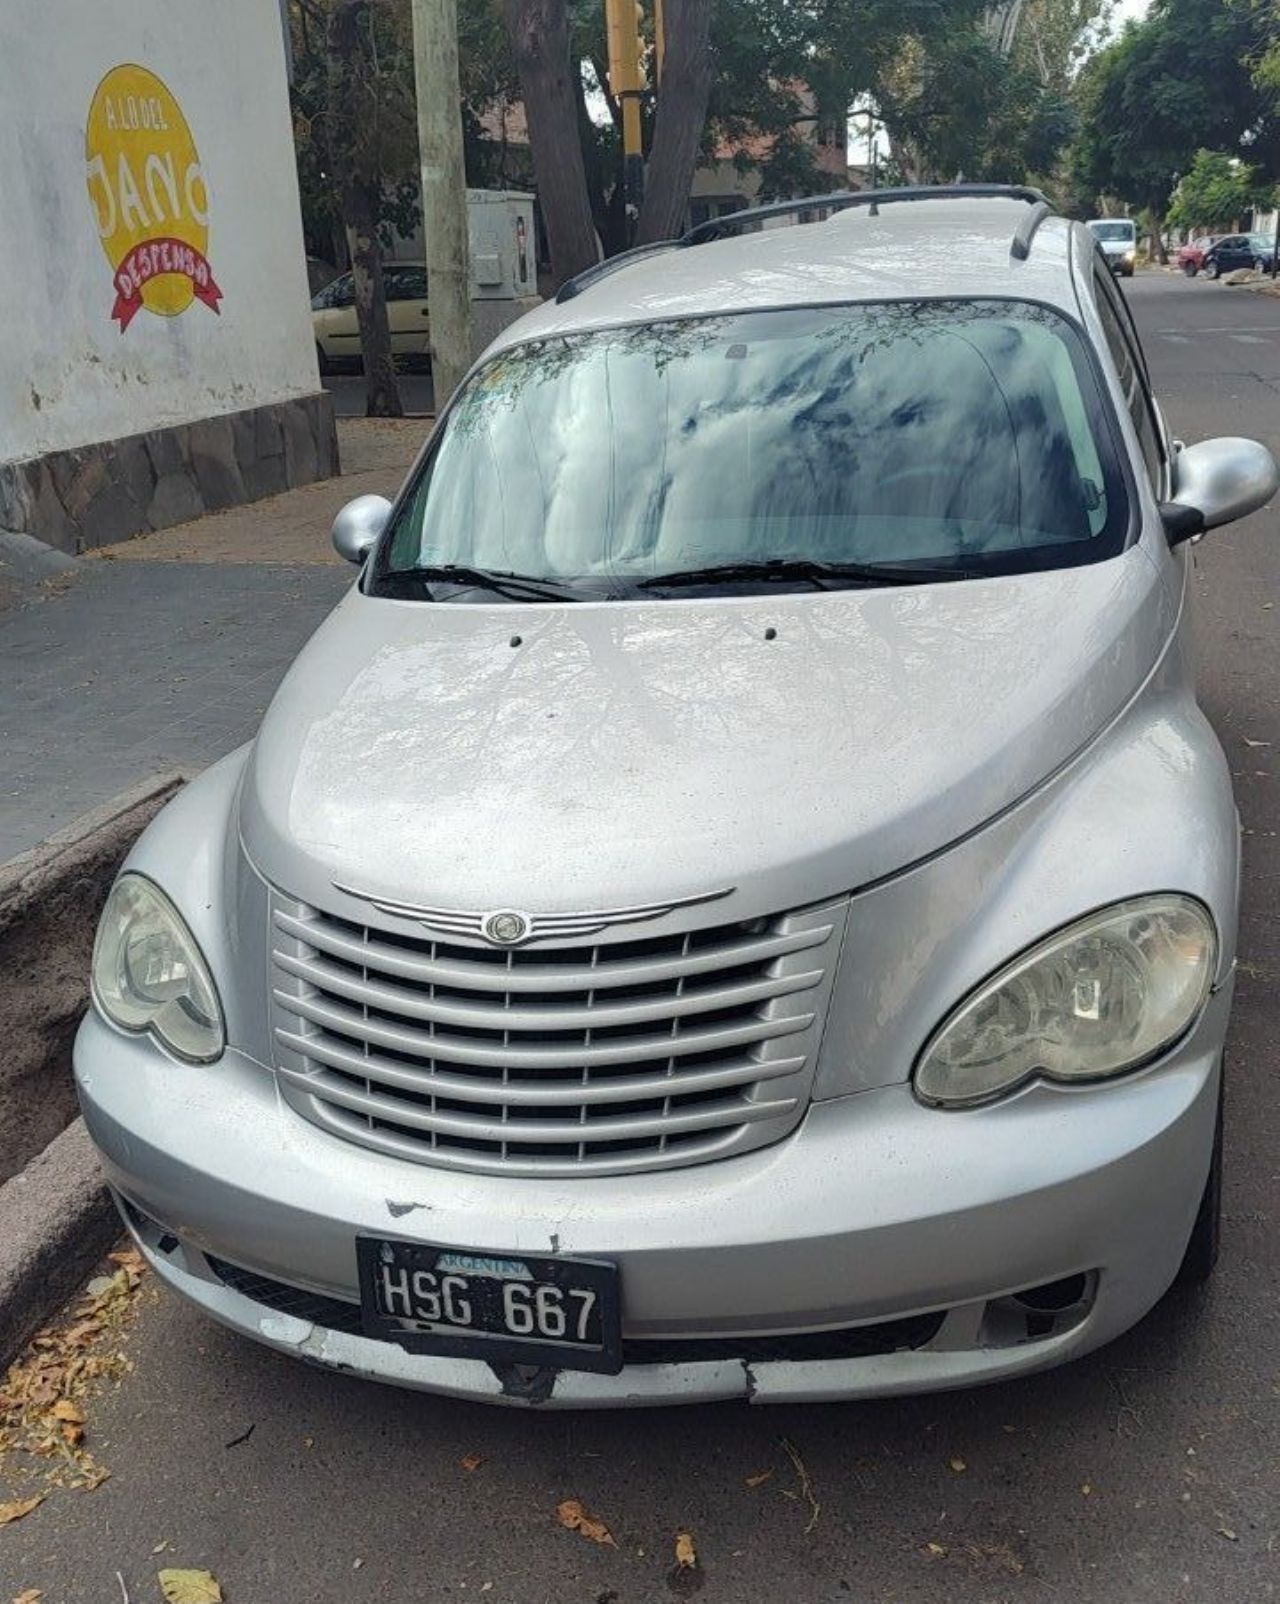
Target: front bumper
[[876, 1209]]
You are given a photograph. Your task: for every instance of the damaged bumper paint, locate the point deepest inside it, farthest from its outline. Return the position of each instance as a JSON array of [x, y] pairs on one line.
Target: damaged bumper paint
[[876, 1211]]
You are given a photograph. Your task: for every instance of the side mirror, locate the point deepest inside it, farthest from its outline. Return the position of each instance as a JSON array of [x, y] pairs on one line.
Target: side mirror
[[357, 527], [1217, 482]]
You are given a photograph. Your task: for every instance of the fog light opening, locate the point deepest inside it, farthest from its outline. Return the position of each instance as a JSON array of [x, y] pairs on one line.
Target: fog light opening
[[149, 1232], [1031, 1315], [1054, 1296]]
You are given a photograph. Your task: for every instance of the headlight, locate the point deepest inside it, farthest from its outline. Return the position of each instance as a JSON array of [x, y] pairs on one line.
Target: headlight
[[1096, 999], [149, 975]]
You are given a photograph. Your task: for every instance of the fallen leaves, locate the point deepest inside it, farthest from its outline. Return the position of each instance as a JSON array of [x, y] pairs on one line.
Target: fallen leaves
[[573, 1514], [956, 1464], [471, 1462], [759, 1479], [998, 1557], [18, 1507], [189, 1587], [43, 1397], [29, 1595], [686, 1553], [806, 1491]]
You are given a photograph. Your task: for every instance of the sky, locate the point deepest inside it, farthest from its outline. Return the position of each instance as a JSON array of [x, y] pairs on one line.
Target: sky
[[1131, 8]]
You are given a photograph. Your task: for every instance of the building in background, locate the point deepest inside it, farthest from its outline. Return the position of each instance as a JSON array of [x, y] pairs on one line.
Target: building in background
[[721, 186], [159, 361]]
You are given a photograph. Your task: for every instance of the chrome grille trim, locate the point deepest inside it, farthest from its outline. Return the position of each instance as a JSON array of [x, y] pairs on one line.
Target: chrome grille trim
[[608, 1128], [539, 978], [629, 1054], [526, 1093], [598, 1016]]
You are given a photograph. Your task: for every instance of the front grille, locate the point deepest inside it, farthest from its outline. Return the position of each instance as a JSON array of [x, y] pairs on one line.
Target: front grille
[[544, 1060], [849, 1342]]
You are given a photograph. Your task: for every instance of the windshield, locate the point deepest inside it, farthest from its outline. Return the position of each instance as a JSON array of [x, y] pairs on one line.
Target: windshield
[[959, 436], [339, 292], [1119, 230]]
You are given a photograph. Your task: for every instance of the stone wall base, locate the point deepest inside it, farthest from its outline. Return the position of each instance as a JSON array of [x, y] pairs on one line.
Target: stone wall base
[[96, 495]]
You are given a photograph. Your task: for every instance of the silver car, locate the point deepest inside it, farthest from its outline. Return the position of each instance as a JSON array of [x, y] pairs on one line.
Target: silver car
[[740, 898]]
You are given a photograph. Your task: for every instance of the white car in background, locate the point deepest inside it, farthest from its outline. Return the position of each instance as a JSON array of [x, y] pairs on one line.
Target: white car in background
[[1118, 237], [333, 317]]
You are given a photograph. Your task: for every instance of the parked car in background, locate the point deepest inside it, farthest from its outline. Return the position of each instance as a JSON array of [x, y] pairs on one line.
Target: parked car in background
[[1264, 250], [1234, 251], [320, 274], [693, 923], [1118, 237], [1190, 256], [333, 317]]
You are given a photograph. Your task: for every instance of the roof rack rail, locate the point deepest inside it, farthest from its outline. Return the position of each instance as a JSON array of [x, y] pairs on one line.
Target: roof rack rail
[[598, 270], [841, 199], [836, 201], [1026, 230]]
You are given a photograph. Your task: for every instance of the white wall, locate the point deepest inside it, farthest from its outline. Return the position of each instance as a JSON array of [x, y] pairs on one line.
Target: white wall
[[69, 375]]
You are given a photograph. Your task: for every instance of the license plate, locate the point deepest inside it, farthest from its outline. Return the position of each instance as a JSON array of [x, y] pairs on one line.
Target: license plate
[[500, 1307]]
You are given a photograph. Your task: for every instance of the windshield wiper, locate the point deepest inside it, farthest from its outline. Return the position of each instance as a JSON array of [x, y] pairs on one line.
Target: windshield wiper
[[516, 587], [822, 575]]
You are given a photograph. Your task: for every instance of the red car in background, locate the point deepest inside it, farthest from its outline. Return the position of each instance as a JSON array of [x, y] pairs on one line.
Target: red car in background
[[1190, 257]]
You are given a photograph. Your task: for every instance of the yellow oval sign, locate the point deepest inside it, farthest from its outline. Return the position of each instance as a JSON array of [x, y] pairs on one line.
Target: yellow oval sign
[[148, 195]]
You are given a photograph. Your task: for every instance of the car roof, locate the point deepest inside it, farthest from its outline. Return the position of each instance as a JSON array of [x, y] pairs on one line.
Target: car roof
[[930, 248]]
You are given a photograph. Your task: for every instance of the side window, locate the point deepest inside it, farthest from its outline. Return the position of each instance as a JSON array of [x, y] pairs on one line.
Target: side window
[[412, 285], [1133, 381]]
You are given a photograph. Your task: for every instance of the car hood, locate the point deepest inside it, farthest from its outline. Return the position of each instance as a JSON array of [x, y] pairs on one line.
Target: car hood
[[564, 757]]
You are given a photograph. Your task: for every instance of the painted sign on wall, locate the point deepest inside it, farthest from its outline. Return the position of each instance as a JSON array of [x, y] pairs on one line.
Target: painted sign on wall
[[149, 196]]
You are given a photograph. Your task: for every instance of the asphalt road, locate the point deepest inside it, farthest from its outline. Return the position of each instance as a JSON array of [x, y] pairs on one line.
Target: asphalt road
[[1149, 1471]]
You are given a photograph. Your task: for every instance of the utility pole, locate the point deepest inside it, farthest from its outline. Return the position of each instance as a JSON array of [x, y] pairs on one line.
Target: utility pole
[[626, 80], [444, 192]]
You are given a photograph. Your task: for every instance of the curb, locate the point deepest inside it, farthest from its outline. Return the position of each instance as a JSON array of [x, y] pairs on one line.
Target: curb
[[57, 1215], [59, 1219], [39, 860]]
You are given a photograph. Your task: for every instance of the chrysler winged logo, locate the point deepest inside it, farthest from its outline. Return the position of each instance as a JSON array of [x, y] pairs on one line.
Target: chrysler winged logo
[[507, 927]]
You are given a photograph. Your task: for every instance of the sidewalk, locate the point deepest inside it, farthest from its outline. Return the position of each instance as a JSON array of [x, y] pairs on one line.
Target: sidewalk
[[163, 652]]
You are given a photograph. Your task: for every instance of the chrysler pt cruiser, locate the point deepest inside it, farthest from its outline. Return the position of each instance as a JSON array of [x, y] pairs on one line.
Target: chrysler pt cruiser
[[740, 897]]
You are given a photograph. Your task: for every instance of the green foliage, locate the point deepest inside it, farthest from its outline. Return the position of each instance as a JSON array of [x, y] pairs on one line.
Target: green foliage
[[1217, 191], [1169, 86], [377, 124], [384, 116], [963, 108], [784, 66], [1056, 37], [1263, 58]]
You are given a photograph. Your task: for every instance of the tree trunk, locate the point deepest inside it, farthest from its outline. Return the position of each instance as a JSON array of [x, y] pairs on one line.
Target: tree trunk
[[359, 193], [604, 193], [539, 31], [1157, 238], [682, 115], [382, 393]]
